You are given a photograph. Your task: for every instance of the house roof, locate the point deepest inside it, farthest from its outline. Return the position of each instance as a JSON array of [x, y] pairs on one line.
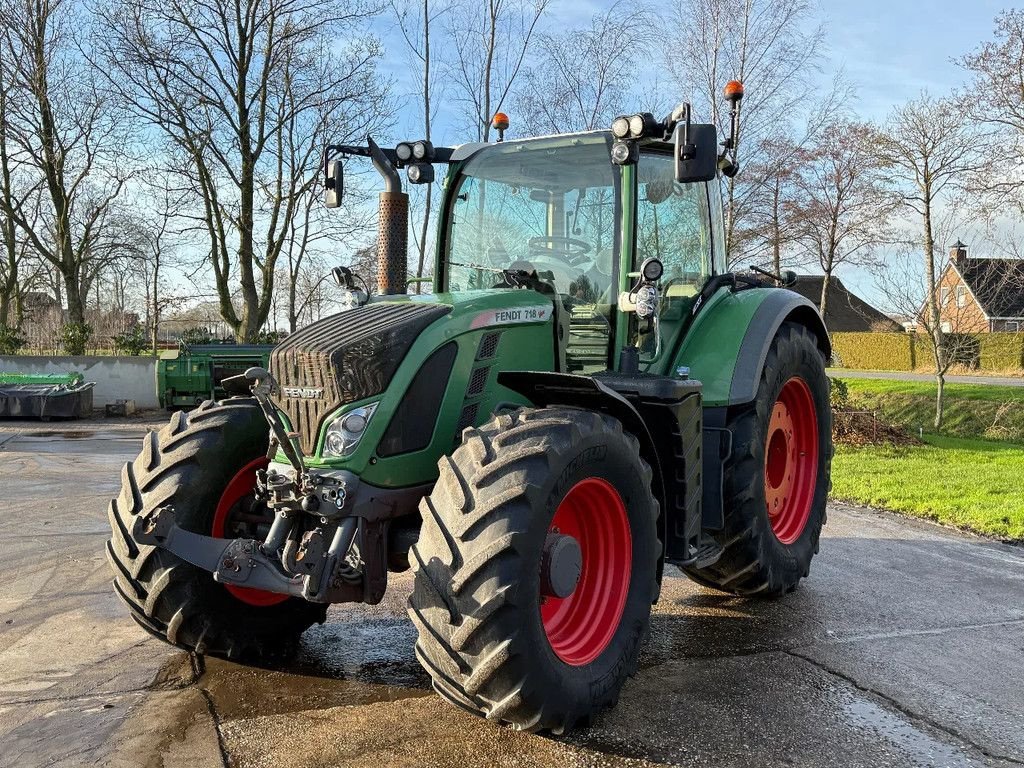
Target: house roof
[[845, 311], [997, 284]]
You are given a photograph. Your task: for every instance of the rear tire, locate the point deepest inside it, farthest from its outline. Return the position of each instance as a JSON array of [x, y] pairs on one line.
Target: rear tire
[[491, 643], [189, 464], [764, 554]]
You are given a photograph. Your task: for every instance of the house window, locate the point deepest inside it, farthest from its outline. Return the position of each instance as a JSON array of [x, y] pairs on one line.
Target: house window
[[947, 327], [961, 296], [944, 296], [1013, 326]]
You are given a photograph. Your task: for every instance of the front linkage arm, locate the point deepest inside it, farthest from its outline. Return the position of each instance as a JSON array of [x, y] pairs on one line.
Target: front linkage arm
[[311, 564]]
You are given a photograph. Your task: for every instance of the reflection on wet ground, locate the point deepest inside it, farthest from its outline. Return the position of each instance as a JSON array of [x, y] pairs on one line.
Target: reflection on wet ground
[[343, 663]]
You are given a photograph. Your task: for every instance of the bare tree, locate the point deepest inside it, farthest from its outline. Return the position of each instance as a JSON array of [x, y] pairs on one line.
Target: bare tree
[[898, 281], [490, 41], [242, 91], [312, 240], [931, 151], [156, 237], [580, 79], [842, 205], [998, 69], [62, 127], [769, 190], [15, 194], [774, 48]]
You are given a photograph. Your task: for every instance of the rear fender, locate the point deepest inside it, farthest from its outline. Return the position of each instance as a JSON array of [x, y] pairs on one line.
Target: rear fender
[[778, 307], [726, 347]]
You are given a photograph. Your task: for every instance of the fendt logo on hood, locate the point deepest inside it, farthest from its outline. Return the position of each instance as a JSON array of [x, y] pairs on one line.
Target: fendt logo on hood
[[303, 393]]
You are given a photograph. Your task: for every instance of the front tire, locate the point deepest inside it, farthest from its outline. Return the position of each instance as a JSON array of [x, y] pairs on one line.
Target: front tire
[[777, 481], [493, 633], [196, 464]]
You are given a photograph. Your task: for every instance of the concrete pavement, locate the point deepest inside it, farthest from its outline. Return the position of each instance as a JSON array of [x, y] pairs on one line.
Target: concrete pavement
[[904, 648]]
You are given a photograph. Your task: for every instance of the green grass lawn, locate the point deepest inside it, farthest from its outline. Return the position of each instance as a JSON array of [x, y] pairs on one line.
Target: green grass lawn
[[973, 484], [971, 410], [987, 392]]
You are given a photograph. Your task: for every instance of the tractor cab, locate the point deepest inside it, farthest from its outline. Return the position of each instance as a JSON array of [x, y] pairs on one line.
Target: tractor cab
[[579, 227]]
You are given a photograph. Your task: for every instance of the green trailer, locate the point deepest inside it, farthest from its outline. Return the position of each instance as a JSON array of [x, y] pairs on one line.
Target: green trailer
[[191, 374]]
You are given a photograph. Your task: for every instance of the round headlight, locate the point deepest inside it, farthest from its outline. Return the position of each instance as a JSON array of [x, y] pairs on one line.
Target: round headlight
[[334, 444], [652, 270], [622, 152], [636, 126], [403, 152], [420, 150], [354, 422], [620, 127]]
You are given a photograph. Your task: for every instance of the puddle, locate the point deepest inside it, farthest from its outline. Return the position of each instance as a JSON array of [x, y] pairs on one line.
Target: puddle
[[378, 650], [900, 732], [339, 664]]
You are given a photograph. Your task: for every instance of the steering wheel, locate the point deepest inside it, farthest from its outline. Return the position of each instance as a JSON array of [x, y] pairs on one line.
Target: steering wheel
[[549, 245]]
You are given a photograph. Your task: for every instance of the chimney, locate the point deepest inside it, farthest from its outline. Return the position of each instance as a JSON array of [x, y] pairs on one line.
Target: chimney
[[958, 253]]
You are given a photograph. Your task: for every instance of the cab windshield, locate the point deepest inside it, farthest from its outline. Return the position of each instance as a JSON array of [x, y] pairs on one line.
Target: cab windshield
[[546, 206]]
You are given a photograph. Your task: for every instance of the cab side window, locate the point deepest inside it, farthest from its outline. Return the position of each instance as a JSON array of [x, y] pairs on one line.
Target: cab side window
[[673, 224]]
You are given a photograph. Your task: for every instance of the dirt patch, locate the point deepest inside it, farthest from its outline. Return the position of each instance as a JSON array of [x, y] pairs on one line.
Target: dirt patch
[[857, 428]]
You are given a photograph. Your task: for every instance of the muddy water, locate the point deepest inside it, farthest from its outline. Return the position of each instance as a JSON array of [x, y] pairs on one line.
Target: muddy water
[[339, 665], [361, 655]]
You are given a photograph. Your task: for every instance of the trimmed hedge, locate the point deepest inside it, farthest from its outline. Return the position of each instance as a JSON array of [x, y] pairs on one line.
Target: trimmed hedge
[[874, 351], [1001, 351], [904, 352]]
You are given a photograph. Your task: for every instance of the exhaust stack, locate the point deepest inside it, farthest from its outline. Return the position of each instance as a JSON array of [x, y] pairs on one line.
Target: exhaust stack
[[392, 227]]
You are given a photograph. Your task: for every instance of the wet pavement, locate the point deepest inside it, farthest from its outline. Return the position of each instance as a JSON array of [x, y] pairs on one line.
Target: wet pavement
[[904, 648]]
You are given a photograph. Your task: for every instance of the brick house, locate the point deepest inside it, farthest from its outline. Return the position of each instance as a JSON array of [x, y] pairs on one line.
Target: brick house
[[981, 294]]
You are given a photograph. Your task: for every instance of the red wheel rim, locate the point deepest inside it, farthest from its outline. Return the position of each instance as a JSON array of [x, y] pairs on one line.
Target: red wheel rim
[[791, 460], [580, 626], [232, 502]]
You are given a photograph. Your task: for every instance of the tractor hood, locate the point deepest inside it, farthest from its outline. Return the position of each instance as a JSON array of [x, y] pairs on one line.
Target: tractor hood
[[358, 354]]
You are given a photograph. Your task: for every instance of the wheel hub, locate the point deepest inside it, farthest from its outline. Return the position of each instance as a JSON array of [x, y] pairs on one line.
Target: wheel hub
[[791, 460], [585, 571], [561, 565]]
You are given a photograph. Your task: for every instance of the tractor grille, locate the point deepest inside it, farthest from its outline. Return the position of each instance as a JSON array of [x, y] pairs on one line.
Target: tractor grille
[[344, 358]]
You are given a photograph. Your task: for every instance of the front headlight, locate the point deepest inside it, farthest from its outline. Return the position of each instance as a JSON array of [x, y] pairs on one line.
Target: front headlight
[[345, 432]]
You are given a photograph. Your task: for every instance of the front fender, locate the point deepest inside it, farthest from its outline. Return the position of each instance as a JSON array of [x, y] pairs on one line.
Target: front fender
[[543, 388], [726, 347]]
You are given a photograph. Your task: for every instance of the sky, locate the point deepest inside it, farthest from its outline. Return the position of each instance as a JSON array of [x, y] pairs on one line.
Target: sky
[[894, 49], [890, 50]]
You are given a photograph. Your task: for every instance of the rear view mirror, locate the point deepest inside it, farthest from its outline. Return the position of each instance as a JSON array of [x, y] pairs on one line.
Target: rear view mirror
[[696, 154], [343, 277], [334, 183]]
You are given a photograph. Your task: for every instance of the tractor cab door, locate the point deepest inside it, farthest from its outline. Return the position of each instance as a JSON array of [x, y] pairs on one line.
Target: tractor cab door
[[679, 224], [549, 207]]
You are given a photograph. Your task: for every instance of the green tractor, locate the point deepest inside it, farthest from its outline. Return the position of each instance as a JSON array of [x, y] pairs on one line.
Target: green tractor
[[587, 396]]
